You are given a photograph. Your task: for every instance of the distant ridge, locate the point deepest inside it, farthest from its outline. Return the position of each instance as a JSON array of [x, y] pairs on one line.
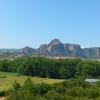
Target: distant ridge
[[11, 50]]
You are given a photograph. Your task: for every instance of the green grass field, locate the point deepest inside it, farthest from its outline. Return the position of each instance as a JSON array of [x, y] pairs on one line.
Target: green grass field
[[6, 74], [6, 82]]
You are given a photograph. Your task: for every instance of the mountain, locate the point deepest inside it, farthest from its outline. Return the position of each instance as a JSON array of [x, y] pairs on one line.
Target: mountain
[[93, 52], [11, 50], [56, 48]]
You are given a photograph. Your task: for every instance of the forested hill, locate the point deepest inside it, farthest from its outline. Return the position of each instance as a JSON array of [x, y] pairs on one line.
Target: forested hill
[[52, 68]]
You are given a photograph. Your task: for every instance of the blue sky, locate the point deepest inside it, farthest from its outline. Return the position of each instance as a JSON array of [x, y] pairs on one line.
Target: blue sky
[[34, 22]]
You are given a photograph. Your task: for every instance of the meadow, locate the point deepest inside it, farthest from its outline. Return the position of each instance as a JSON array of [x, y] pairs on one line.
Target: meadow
[[6, 80]]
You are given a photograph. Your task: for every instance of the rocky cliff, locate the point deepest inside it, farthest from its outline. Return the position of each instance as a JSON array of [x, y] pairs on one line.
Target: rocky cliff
[[92, 52], [55, 48], [28, 50]]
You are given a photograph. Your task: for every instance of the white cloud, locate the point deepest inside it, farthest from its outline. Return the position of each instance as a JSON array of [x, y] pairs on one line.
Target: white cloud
[[83, 47]]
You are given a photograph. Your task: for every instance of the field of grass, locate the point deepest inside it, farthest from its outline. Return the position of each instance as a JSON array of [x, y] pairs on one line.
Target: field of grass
[[6, 74], [6, 82]]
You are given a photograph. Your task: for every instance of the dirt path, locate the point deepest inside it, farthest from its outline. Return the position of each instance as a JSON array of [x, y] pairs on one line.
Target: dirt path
[[2, 98]]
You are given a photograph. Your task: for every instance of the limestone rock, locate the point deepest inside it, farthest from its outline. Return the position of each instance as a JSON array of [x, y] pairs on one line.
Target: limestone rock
[[75, 49], [43, 49], [28, 50], [55, 47]]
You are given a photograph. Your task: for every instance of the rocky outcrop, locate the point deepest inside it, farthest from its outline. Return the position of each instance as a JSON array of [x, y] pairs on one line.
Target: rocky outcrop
[[56, 48], [98, 52], [28, 50], [55, 41], [43, 49], [92, 52], [75, 49]]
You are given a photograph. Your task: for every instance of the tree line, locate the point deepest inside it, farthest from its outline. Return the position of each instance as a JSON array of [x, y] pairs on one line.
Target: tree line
[[52, 68]]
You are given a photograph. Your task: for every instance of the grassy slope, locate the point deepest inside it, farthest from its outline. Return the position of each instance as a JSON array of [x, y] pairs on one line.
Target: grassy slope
[[6, 83]]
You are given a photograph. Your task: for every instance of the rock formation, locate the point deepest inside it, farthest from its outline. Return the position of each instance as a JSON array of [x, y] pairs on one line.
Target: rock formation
[[28, 50], [55, 48]]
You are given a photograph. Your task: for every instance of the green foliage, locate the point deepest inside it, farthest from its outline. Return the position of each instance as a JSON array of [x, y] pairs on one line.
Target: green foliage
[[3, 77], [28, 85], [15, 86], [66, 90], [98, 83], [42, 67], [59, 88], [43, 88], [4, 65], [51, 95], [2, 93], [92, 93], [7, 74], [63, 73], [52, 68], [21, 94]]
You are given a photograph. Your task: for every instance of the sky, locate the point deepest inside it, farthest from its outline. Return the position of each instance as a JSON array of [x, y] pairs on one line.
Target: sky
[[35, 22]]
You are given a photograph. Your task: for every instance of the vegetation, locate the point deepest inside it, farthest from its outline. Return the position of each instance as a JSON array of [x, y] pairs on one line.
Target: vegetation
[[74, 71], [65, 90], [52, 68], [6, 83], [6, 74]]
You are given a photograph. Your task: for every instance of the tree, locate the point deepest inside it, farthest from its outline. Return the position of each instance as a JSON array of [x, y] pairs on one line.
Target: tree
[[43, 88], [30, 87], [51, 95], [63, 73], [15, 86], [4, 65]]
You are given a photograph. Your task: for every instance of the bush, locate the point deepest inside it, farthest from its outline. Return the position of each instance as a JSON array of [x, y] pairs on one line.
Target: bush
[[43, 88], [51, 95], [2, 93], [15, 86], [3, 76]]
